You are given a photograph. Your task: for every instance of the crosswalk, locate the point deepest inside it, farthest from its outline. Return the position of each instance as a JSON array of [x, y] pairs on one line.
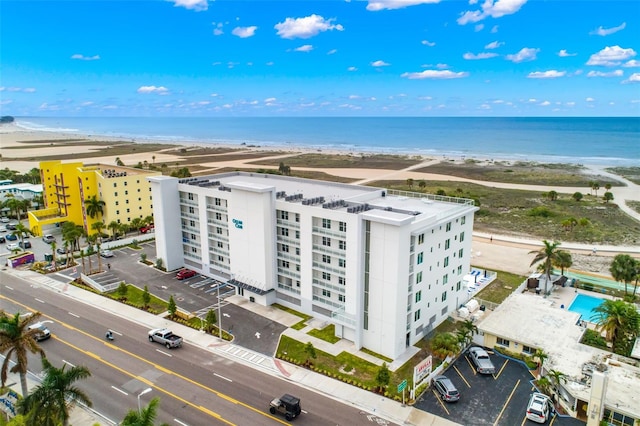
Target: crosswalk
[[247, 356]]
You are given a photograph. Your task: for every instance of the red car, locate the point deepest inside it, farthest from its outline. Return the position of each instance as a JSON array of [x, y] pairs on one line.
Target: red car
[[185, 273], [147, 228]]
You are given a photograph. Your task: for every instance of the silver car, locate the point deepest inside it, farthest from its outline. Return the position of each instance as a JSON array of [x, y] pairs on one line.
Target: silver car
[[445, 387]]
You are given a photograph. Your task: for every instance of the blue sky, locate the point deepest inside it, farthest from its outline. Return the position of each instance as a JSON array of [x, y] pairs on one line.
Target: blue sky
[[319, 58]]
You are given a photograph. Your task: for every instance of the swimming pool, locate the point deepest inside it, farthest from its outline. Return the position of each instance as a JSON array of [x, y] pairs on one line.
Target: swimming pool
[[584, 305]]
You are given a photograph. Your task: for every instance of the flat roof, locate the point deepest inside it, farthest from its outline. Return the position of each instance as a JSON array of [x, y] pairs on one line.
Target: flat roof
[[539, 322], [340, 196]]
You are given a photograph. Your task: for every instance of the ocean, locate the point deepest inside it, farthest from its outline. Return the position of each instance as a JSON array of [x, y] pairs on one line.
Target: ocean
[[613, 141]]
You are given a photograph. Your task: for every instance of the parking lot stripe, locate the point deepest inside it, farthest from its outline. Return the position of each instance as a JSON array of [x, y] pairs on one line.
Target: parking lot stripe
[[471, 365], [461, 376], [440, 401], [501, 370], [504, 407]]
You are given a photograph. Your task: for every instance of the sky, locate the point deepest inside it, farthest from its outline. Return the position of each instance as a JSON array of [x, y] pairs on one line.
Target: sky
[[319, 58]]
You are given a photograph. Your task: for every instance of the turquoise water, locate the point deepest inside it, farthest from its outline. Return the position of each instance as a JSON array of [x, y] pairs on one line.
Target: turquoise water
[[584, 305]]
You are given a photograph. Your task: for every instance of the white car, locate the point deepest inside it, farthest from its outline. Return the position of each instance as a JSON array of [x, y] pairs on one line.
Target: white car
[[539, 408], [4, 219], [42, 332], [106, 253], [13, 246]]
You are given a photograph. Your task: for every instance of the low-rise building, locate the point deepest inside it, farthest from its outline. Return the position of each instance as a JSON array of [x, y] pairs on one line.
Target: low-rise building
[[385, 267], [125, 191], [598, 383]]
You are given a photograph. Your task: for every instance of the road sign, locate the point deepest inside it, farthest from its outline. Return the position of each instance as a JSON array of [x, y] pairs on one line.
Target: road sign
[[402, 386]]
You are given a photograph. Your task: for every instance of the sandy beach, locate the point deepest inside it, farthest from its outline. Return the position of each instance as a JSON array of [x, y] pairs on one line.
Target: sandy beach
[[17, 145]]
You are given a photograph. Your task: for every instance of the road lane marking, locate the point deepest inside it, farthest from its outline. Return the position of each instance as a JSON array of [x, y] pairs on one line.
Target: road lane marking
[[119, 390], [10, 288], [180, 423], [222, 377], [461, 376], [501, 370], [471, 365], [38, 300], [440, 401], [74, 315], [159, 367], [67, 362], [506, 403], [164, 353]]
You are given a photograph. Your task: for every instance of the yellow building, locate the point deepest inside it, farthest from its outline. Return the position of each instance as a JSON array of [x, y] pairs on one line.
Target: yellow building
[[66, 186]]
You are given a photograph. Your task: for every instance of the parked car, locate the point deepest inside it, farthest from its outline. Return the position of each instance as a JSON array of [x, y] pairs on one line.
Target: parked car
[[12, 246], [288, 405], [49, 239], [26, 244], [445, 387], [11, 227], [2, 239], [12, 237], [61, 250], [539, 408], [481, 360], [147, 228], [183, 274], [4, 219], [42, 332], [106, 253], [3, 228]]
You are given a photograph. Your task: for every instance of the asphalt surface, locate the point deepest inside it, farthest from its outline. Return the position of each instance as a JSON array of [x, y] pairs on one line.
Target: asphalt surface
[[498, 399]]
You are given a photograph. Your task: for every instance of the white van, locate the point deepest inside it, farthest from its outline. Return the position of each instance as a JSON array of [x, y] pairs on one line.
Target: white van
[[42, 332]]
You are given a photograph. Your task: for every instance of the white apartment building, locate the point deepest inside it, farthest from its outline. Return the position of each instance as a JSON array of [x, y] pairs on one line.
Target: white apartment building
[[385, 267]]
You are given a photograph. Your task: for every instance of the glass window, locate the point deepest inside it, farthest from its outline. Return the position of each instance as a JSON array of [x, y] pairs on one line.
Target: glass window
[[419, 277], [447, 244], [421, 239], [342, 263], [326, 258], [418, 296], [342, 245], [416, 315], [343, 226], [326, 241], [444, 296], [420, 257], [502, 342], [326, 293], [341, 298], [342, 281], [326, 276], [461, 236], [326, 223], [448, 227]]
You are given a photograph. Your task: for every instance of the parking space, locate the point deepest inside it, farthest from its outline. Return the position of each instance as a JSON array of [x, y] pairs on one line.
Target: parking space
[[498, 399]]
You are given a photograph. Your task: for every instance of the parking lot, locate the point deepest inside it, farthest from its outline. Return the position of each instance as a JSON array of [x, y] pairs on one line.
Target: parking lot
[[498, 399]]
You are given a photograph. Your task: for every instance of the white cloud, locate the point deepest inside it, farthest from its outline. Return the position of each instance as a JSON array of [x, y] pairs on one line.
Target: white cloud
[[269, 100], [434, 74], [616, 73], [306, 27], [244, 32], [379, 64], [546, 74], [217, 32], [545, 103], [633, 63], [442, 66], [570, 103], [589, 99], [85, 58], [18, 89], [352, 69], [354, 96], [428, 43], [482, 55], [376, 5], [269, 64], [197, 5], [525, 54], [633, 78], [494, 29], [87, 103], [304, 48], [611, 56], [153, 89], [332, 52], [606, 31], [478, 27], [492, 9], [494, 45], [563, 53], [532, 100]]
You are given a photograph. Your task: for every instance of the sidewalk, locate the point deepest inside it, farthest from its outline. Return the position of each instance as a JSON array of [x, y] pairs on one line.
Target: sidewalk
[[374, 404]]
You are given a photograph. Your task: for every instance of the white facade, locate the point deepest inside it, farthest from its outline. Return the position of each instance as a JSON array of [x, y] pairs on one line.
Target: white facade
[[386, 268]]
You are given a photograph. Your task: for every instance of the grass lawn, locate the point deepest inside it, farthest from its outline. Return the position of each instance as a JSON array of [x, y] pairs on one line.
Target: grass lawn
[[501, 287], [327, 161], [327, 334]]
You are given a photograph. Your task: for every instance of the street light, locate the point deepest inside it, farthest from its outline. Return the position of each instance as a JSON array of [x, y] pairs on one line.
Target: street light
[[219, 312], [147, 390]]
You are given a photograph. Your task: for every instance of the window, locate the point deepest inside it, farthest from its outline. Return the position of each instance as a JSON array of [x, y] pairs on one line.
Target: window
[[326, 241], [192, 236], [447, 244], [218, 216], [284, 215], [125, 183], [285, 248], [528, 350], [326, 293], [342, 281], [341, 298], [190, 196], [419, 277], [463, 219], [448, 227], [342, 245], [220, 244], [342, 226], [420, 257], [126, 201], [418, 296], [461, 236], [458, 286], [326, 258], [115, 194], [444, 296], [416, 315], [342, 263], [194, 250], [117, 203], [220, 259], [297, 251], [191, 210], [128, 210], [446, 261], [326, 223], [460, 252], [502, 342], [219, 230], [115, 185], [445, 279], [284, 264], [126, 192], [192, 223], [460, 270], [216, 201], [326, 276], [297, 235], [284, 232]]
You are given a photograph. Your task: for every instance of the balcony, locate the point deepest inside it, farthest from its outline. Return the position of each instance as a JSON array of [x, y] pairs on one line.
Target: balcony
[[342, 317]]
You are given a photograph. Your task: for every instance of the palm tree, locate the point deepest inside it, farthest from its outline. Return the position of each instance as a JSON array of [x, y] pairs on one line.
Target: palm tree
[[611, 317], [21, 231], [541, 356], [91, 240], [50, 402], [114, 227], [95, 206], [466, 332], [16, 339], [98, 227], [410, 183], [137, 223], [13, 204], [444, 345], [595, 186], [563, 261], [547, 255], [624, 268], [556, 377], [145, 417]]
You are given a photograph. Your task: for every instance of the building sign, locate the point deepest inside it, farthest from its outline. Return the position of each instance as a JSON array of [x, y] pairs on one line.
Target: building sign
[[237, 223], [422, 370], [8, 403]]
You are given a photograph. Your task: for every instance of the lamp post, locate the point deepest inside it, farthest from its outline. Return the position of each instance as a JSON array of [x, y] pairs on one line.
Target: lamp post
[[147, 390], [219, 312]]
